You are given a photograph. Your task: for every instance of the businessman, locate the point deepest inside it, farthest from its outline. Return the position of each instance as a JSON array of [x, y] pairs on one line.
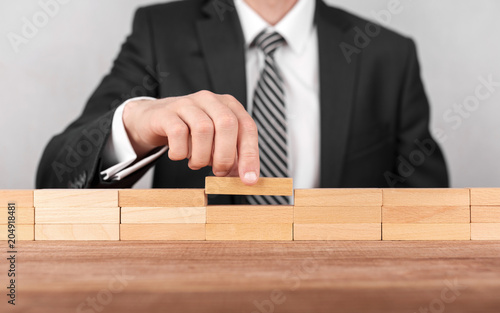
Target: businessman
[[253, 88]]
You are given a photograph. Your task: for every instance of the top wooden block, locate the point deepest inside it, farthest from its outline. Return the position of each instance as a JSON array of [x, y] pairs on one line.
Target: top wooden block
[[264, 187], [485, 196], [152, 198], [338, 197], [426, 197], [72, 198], [22, 198]]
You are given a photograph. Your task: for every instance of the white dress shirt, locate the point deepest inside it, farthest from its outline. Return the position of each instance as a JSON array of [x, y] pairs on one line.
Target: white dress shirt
[[298, 62]]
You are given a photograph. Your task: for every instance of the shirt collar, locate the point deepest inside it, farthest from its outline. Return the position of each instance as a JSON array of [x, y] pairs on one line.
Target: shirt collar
[[295, 27]]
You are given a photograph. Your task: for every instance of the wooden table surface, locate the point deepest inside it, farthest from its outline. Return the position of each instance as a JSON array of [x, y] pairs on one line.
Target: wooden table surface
[[336, 276]]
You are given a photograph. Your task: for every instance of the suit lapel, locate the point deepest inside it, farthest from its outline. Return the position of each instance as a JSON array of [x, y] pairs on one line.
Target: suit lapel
[[337, 80], [223, 47]]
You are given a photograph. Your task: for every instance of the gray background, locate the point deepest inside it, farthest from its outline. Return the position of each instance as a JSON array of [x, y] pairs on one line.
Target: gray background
[[45, 84]]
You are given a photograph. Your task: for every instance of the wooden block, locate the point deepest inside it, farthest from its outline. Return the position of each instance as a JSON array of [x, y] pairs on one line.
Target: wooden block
[[426, 197], [24, 216], [485, 214], [23, 232], [338, 197], [162, 231], [79, 215], [345, 231], [176, 215], [234, 186], [485, 231], [76, 198], [426, 215], [249, 214], [485, 196], [249, 231], [162, 198], [425, 231], [336, 215], [77, 232], [22, 198]]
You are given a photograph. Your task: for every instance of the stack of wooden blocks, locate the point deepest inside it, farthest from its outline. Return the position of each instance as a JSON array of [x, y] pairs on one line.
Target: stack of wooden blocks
[[485, 214], [426, 214], [317, 214], [77, 214], [250, 222], [24, 214], [338, 214], [163, 214]]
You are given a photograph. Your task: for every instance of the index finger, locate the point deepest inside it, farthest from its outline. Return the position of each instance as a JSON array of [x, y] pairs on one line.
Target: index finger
[[248, 143]]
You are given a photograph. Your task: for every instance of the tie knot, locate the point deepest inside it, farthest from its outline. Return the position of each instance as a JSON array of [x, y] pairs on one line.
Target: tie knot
[[269, 42]]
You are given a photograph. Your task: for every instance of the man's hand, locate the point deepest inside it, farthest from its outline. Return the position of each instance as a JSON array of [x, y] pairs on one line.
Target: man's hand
[[206, 128]]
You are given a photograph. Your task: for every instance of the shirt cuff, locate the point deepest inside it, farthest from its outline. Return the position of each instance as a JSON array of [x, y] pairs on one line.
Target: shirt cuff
[[118, 153]]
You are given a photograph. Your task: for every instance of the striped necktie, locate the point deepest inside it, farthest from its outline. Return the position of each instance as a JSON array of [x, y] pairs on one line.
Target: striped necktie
[[269, 113]]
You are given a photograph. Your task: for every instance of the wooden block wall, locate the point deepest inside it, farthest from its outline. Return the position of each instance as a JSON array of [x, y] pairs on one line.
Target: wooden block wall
[[318, 214]]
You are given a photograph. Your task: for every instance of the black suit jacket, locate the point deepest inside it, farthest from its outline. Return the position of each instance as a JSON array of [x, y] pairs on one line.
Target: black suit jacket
[[374, 111]]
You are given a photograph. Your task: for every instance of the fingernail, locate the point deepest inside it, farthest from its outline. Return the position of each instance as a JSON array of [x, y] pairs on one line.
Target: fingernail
[[220, 174], [250, 177]]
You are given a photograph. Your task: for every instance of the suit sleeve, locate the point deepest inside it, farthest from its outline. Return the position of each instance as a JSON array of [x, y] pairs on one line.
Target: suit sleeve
[[420, 161], [72, 159]]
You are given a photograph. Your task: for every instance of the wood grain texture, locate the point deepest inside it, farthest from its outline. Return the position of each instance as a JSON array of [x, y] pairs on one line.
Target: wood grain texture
[[326, 215], [338, 197], [22, 198], [162, 232], [23, 232], [249, 214], [175, 215], [24, 216], [426, 197], [345, 231], [78, 215], [77, 232], [485, 196], [76, 198], [227, 277], [233, 186], [426, 215], [485, 231], [426, 231], [162, 198], [485, 214], [249, 231]]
